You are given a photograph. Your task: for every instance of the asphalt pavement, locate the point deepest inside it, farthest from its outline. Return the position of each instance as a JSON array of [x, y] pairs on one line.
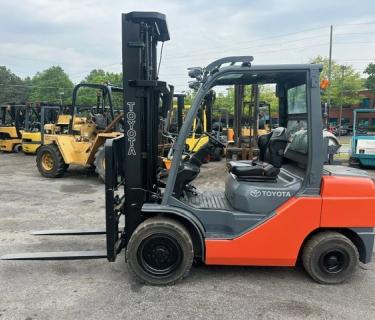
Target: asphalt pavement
[[98, 289]]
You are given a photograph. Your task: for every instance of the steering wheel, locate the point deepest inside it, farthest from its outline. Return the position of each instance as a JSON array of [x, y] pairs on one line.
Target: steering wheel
[[215, 141]]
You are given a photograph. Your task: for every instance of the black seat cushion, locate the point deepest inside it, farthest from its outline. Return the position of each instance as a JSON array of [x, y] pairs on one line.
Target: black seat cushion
[[271, 146], [252, 169]]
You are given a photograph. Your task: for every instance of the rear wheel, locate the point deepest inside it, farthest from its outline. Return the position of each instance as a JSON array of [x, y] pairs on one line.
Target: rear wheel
[[50, 162], [99, 162], [330, 257], [17, 148], [160, 251]]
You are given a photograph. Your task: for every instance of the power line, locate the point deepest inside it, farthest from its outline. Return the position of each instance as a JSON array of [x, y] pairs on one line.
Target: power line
[[200, 52], [356, 24]]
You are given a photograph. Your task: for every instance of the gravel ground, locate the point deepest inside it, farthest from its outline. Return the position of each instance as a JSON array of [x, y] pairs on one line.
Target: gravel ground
[[98, 289]]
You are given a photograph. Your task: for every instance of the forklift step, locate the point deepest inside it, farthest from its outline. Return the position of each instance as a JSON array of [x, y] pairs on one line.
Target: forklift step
[[71, 232], [67, 255], [68, 232]]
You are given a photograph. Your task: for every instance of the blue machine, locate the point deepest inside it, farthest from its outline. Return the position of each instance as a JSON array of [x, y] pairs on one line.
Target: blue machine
[[363, 142]]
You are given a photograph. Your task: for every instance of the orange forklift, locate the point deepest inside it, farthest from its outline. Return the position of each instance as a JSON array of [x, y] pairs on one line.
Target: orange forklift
[[283, 207]]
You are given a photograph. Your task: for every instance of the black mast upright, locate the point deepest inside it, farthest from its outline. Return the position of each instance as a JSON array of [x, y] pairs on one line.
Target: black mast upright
[[141, 32]]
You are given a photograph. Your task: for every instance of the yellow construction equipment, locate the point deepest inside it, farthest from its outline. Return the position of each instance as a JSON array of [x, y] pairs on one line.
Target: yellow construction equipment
[[12, 119], [78, 137], [36, 118]]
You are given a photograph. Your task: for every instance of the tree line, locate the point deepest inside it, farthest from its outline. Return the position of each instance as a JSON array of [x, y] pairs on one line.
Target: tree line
[[54, 86]]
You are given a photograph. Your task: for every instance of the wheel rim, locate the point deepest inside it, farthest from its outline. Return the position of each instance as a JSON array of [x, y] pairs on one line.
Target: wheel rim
[[17, 148], [47, 161], [159, 254], [334, 261]]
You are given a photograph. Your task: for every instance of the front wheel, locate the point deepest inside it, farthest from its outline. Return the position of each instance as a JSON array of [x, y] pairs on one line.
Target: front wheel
[[99, 162], [50, 162], [160, 251], [330, 257]]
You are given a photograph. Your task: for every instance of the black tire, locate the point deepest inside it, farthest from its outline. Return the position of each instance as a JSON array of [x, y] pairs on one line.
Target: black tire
[[17, 148], [99, 163], [330, 257], [218, 154], [57, 168], [160, 251], [355, 163]]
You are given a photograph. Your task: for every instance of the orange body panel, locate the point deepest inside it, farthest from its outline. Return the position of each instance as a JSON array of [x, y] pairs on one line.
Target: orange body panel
[[348, 202], [276, 242]]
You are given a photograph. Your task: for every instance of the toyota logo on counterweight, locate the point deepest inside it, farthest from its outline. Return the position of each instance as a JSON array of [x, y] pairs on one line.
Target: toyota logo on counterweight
[[255, 193]]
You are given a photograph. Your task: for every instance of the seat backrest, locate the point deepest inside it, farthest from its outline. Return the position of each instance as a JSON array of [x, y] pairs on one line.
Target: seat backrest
[[263, 141], [297, 147], [100, 120], [276, 147], [272, 146]]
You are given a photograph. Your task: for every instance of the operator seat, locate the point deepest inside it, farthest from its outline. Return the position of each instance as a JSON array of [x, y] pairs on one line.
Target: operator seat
[[267, 167], [100, 120]]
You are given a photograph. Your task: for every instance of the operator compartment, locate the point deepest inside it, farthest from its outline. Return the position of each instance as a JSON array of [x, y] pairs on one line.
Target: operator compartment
[[268, 157], [261, 186]]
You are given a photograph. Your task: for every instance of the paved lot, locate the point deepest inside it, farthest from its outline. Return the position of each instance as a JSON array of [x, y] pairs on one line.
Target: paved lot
[[102, 290]]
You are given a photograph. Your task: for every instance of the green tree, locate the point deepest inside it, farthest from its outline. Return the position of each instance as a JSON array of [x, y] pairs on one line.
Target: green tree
[[12, 88], [101, 76], [189, 97], [88, 96], [343, 79], [52, 85], [225, 100], [370, 81]]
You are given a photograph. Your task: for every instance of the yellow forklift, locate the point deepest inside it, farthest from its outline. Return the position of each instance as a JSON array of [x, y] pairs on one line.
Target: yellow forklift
[[36, 117], [201, 124], [79, 136], [12, 121]]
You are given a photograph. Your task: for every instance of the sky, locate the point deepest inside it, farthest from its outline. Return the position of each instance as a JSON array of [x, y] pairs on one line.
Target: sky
[[81, 35]]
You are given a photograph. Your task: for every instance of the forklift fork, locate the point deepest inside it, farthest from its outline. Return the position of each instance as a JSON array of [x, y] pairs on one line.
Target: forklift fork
[[114, 234]]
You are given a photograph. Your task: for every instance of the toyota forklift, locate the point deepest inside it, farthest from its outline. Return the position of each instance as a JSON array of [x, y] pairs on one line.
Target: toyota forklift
[[284, 207]]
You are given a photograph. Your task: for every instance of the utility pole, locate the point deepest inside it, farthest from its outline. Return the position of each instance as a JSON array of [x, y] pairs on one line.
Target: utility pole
[[329, 75], [341, 98], [61, 97]]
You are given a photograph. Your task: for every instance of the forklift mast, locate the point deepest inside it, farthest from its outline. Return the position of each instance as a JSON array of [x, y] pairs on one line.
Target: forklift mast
[[134, 158], [16, 117], [180, 109], [208, 103], [30, 112]]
